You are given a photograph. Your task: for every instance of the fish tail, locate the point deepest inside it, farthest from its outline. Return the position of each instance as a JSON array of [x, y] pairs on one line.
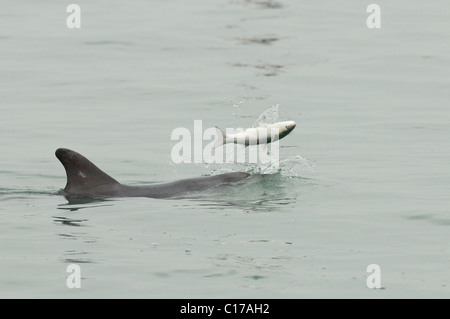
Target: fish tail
[[222, 137]]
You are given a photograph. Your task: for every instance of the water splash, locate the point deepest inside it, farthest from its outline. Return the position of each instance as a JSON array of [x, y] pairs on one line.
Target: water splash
[[238, 106], [292, 166], [297, 166], [269, 116]]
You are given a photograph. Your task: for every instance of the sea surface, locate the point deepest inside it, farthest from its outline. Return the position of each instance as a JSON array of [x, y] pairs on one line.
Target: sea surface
[[363, 179]]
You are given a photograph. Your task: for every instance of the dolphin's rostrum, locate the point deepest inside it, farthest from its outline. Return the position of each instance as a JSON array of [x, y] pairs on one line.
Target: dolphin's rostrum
[[85, 180]]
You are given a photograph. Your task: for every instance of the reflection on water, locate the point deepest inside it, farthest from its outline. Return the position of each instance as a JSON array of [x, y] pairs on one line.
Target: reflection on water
[[126, 43], [266, 69], [75, 254], [77, 257], [266, 4], [69, 221], [270, 4], [263, 40], [432, 218], [74, 204], [71, 233]]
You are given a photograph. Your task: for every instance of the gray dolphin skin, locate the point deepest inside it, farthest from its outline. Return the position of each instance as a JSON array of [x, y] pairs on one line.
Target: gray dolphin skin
[[85, 180]]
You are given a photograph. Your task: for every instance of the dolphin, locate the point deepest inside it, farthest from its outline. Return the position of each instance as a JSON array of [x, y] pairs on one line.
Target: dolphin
[[85, 180]]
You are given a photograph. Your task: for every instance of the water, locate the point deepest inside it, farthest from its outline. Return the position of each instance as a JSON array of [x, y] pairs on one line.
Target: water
[[363, 179]]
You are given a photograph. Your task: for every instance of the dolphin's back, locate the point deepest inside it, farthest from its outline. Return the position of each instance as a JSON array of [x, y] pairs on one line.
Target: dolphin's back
[[175, 188], [84, 179]]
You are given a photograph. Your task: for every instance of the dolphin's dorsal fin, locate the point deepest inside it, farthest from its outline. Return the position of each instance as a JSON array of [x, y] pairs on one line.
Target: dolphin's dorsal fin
[[82, 174]]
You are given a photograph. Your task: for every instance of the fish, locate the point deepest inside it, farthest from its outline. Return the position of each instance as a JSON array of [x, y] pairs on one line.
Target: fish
[[264, 134]]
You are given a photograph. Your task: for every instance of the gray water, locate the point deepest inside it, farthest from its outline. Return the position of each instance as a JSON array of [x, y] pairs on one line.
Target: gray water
[[364, 178]]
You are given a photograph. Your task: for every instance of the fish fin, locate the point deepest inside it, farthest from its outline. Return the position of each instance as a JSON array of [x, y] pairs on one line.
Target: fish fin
[[221, 137]]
